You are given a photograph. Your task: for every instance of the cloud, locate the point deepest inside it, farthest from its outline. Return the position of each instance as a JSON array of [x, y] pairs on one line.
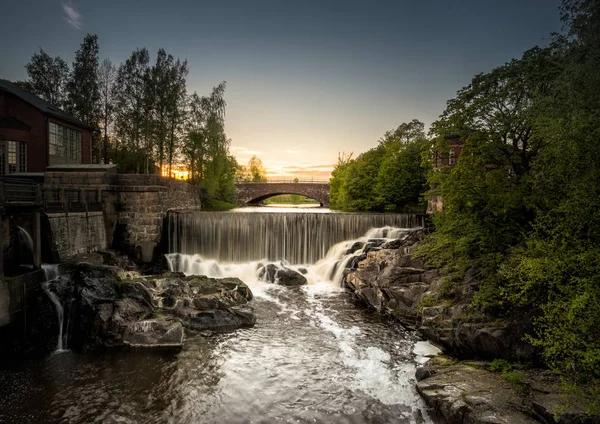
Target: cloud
[[72, 15], [243, 151], [293, 151], [297, 168], [301, 171]]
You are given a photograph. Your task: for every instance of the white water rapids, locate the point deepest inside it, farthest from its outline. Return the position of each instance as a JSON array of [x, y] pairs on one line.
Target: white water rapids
[[383, 370], [315, 354]]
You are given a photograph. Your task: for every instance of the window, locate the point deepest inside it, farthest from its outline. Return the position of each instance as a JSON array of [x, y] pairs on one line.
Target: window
[[451, 158], [13, 157], [65, 144]]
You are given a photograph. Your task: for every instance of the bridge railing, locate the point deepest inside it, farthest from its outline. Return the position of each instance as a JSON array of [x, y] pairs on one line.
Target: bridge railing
[[284, 181]]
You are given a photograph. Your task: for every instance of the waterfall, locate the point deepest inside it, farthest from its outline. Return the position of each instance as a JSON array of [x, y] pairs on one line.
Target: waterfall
[[298, 238], [329, 267], [52, 272], [26, 239]]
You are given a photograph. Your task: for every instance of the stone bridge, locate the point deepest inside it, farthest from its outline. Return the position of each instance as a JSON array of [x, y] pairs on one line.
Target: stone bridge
[[255, 192]]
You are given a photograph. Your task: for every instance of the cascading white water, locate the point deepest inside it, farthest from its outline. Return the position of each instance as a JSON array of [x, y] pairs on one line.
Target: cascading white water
[[329, 268], [51, 272], [298, 238]]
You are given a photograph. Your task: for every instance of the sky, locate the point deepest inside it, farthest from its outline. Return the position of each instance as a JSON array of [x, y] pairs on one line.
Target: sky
[[306, 79]]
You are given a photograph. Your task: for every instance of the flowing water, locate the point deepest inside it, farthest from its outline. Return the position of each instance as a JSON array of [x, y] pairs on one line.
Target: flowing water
[[315, 355], [51, 272]]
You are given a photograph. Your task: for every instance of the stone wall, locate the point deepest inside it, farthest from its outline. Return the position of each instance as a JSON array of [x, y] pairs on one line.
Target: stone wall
[[134, 208], [142, 203]]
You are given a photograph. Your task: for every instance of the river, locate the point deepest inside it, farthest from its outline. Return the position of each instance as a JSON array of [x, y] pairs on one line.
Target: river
[[315, 355]]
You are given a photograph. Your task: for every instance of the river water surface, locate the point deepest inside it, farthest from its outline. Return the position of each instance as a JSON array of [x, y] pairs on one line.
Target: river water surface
[[315, 355]]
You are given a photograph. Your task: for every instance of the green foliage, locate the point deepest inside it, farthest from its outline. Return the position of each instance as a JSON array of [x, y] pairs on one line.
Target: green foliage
[[217, 205], [149, 123], [426, 302], [516, 378], [521, 208], [389, 177], [500, 365], [292, 199], [83, 92]]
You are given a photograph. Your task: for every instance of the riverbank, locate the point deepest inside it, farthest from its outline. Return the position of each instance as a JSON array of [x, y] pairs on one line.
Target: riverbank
[[393, 280]]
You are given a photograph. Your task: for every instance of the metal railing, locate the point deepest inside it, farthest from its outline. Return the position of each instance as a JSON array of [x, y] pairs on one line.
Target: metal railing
[[16, 191], [284, 181]]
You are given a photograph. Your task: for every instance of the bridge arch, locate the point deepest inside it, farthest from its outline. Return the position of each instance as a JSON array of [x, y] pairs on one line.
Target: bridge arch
[[252, 193]]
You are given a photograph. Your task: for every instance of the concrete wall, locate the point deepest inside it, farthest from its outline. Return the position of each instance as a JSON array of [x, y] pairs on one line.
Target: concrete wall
[[80, 232], [15, 294]]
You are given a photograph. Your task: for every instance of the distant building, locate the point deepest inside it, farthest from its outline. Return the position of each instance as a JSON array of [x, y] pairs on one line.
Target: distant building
[[443, 160], [448, 158], [34, 134]]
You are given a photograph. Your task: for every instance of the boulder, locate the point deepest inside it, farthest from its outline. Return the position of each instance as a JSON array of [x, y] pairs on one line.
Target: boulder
[[154, 333], [461, 393], [282, 275], [289, 278], [267, 273], [356, 246], [203, 303], [105, 310], [467, 392]]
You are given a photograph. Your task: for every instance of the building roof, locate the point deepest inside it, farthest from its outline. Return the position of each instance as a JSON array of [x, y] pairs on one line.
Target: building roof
[[10, 122], [40, 103]]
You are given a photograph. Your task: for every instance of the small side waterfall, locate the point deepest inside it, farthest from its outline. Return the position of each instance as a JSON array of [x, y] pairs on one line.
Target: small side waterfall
[[26, 238], [52, 272]]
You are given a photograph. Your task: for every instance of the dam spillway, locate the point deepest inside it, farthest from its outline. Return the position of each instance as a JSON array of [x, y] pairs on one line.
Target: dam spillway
[[295, 237]]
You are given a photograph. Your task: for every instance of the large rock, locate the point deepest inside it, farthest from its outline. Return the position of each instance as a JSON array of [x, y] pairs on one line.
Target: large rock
[[154, 333], [203, 303], [290, 278], [282, 275], [390, 282], [102, 309], [394, 282], [466, 392]]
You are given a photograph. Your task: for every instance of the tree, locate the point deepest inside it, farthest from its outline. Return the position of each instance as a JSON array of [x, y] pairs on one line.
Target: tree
[[107, 75], [206, 150], [176, 108], [402, 177], [255, 170], [389, 177], [133, 103], [520, 208], [48, 77]]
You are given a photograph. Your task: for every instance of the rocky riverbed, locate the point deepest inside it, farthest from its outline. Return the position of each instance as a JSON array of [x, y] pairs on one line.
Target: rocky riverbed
[[461, 388]]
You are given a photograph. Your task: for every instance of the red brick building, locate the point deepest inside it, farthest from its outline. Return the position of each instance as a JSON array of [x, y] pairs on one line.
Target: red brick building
[[34, 134], [444, 159]]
